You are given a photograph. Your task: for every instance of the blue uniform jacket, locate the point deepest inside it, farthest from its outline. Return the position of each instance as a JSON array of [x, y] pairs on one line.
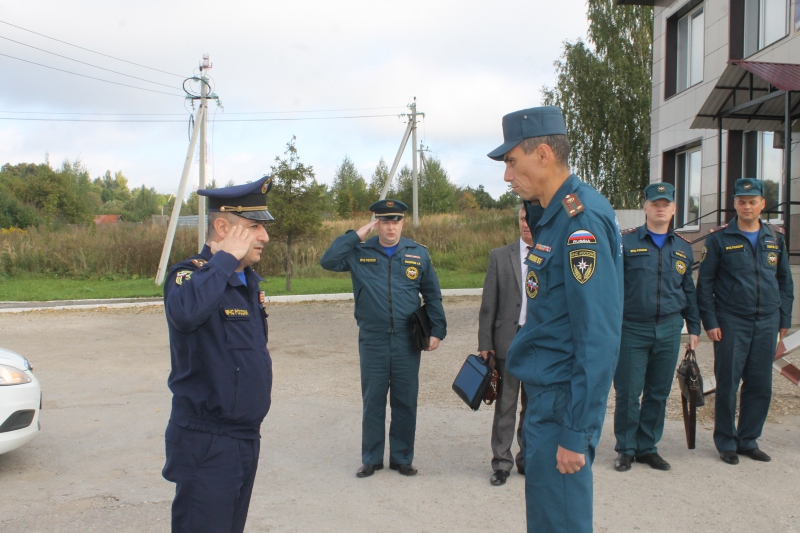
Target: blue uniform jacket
[[221, 377], [574, 289], [658, 282], [742, 282], [386, 291]]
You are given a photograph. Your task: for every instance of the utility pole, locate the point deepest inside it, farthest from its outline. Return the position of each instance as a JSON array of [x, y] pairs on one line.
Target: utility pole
[[201, 204], [414, 170]]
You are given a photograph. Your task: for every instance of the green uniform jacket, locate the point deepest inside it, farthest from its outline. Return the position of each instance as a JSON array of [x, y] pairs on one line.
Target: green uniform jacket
[[739, 281], [386, 291], [658, 282]]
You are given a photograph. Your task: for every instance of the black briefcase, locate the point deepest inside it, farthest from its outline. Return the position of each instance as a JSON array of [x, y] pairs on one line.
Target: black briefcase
[[473, 380], [420, 329]]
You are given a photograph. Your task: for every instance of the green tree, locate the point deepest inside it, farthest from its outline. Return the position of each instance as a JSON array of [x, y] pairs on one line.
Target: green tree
[[113, 187], [604, 90], [483, 199], [437, 194], [349, 190], [378, 182], [508, 200], [466, 200], [296, 201]]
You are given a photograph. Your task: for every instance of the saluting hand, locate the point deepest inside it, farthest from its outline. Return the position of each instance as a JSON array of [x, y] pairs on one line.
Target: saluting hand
[[236, 242], [364, 230]]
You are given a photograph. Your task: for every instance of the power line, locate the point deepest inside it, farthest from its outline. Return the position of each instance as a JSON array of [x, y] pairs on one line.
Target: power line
[[181, 121], [184, 114], [463, 159], [89, 64], [88, 50], [314, 110], [90, 77]]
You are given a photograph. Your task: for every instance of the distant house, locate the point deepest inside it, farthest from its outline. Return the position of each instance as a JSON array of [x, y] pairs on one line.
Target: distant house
[[107, 219]]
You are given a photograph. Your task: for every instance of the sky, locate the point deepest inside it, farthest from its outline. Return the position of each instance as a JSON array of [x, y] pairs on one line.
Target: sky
[[467, 63]]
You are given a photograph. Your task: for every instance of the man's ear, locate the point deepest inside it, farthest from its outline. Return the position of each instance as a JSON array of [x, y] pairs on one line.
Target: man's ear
[[220, 227]]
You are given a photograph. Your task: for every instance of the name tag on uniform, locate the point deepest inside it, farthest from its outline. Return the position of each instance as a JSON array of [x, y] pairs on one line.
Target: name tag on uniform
[[536, 259], [680, 254], [236, 314], [367, 259], [407, 262], [773, 247], [638, 250], [734, 247]]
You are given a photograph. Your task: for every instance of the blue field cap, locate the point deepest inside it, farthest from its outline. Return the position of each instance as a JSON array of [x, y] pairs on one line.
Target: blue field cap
[[533, 122], [656, 191], [247, 201], [748, 187], [389, 209]]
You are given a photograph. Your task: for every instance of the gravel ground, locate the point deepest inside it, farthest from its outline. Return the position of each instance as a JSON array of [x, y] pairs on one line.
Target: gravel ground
[[96, 466]]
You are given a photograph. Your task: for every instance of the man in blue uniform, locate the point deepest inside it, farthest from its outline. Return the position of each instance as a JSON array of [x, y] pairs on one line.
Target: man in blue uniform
[[566, 353], [389, 273], [659, 295], [745, 294], [221, 376]]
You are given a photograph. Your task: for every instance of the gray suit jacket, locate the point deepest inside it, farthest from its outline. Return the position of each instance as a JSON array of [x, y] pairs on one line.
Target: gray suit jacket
[[502, 299]]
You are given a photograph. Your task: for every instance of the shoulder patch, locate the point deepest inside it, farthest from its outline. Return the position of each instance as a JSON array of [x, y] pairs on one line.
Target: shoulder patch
[[183, 275], [199, 263], [627, 231], [572, 205], [682, 237], [581, 236], [718, 228]]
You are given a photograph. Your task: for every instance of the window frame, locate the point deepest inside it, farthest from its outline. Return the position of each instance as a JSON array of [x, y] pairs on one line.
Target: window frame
[[760, 26], [691, 17], [671, 42], [682, 184]]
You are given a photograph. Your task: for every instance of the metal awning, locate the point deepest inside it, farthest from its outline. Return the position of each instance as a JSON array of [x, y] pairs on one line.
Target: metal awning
[[751, 96]]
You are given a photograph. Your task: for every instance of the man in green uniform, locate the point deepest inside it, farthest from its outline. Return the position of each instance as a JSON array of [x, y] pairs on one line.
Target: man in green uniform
[[745, 294], [659, 296], [389, 273]]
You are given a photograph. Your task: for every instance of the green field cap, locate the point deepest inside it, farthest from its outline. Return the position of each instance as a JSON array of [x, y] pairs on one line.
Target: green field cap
[[657, 191], [533, 122], [748, 187]]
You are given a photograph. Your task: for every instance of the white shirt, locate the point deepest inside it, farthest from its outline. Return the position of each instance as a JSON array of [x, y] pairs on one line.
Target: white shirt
[[523, 254]]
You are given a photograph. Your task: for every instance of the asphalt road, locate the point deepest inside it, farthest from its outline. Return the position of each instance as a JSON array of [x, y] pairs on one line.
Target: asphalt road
[[96, 466]]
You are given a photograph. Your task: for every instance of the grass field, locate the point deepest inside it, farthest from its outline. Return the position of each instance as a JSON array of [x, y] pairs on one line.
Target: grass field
[[41, 288]]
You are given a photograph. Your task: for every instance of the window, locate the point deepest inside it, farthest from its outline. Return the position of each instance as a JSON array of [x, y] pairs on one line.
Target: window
[[761, 160], [691, 29], [765, 21], [688, 167]]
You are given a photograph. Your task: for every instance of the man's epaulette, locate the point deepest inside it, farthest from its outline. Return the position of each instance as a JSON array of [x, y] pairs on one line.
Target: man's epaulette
[[682, 237], [627, 231], [572, 205], [779, 229], [718, 228], [420, 244], [199, 263]]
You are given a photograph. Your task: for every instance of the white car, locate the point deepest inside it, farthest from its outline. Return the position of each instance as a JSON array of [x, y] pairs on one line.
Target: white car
[[20, 401]]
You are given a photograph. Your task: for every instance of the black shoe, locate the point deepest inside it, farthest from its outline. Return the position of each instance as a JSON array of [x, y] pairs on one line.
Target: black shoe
[[406, 470], [368, 470], [499, 477], [729, 457], [755, 454], [521, 470], [623, 462], [655, 461]]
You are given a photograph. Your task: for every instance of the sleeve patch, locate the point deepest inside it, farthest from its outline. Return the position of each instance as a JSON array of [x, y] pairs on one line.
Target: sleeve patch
[[581, 236], [703, 254], [582, 263], [183, 275]]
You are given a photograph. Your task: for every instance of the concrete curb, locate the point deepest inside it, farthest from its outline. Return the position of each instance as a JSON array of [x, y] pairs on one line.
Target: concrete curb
[[122, 303]]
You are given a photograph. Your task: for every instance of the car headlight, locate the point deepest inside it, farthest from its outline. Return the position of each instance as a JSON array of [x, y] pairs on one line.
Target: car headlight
[[12, 376]]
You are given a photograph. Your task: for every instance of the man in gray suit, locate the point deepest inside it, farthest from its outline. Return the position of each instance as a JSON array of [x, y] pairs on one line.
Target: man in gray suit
[[501, 316]]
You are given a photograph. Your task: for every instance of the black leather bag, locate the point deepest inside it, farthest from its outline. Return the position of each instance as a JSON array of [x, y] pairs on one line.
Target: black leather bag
[[691, 384], [420, 329], [474, 382]]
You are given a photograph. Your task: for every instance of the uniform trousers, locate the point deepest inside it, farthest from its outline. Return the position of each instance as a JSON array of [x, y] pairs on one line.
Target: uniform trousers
[[745, 355], [555, 502], [505, 419], [389, 364], [648, 356], [214, 475]]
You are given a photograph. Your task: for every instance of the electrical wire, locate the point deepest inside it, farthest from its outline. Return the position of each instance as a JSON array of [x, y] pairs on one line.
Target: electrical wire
[[169, 120], [187, 111], [91, 77], [463, 159], [88, 64], [89, 50]]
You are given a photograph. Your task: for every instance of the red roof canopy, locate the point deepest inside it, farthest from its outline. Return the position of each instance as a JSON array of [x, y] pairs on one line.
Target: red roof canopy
[[784, 76]]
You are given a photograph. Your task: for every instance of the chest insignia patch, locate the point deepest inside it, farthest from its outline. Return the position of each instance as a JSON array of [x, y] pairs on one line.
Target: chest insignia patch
[[582, 264], [543, 248], [199, 263], [680, 266], [734, 247], [412, 273], [531, 284], [581, 236], [703, 254], [772, 259], [407, 262], [533, 258], [183, 275], [236, 313], [572, 205], [367, 259], [413, 256], [680, 254], [639, 250]]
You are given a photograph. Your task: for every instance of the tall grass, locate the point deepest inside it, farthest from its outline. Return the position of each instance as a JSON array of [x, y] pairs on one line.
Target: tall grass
[[460, 243]]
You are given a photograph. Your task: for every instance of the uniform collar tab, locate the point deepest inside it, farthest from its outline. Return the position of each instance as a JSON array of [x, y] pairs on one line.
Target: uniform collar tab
[[569, 186]]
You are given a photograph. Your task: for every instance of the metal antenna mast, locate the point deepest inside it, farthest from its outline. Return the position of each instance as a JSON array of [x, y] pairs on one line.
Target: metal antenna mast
[[199, 120]]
